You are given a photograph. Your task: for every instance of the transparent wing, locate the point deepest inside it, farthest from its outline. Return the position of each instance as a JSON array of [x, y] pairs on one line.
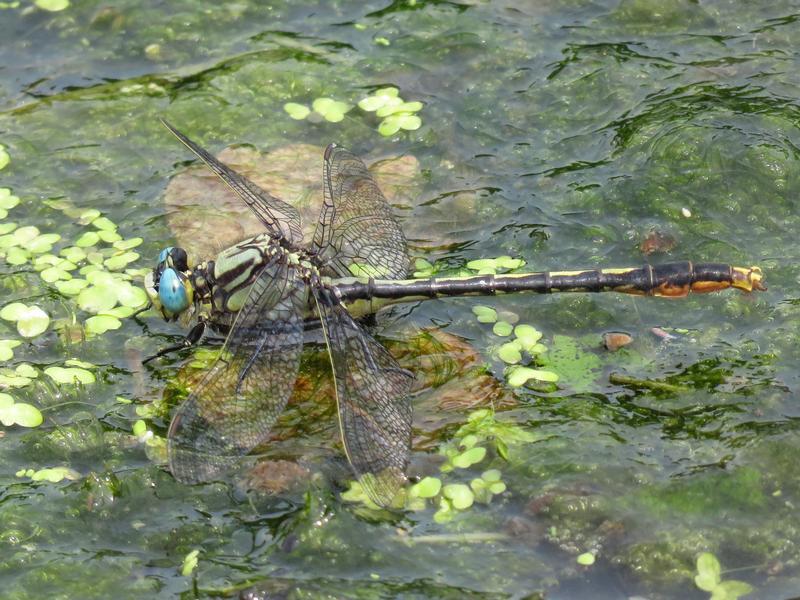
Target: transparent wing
[[242, 394], [357, 232], [280, 219], [372, 399]]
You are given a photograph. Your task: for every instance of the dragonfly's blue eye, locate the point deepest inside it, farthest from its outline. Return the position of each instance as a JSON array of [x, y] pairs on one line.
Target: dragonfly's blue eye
[[173, 257], [174, 293], [162, 256]]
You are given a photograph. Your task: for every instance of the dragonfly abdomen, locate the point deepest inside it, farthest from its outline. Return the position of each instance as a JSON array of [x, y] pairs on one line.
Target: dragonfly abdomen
[[668, 280]]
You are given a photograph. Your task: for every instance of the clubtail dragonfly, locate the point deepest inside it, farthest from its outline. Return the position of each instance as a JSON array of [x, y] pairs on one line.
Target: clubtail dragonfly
[[260, 291]]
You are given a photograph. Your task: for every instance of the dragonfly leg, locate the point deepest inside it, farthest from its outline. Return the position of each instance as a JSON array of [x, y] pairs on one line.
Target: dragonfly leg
[[190, 340]]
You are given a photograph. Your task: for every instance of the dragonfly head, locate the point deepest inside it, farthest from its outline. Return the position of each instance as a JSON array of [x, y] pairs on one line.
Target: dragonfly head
[[168, 286]]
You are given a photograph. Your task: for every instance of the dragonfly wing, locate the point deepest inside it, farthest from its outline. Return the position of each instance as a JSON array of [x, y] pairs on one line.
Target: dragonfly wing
[[357, 232], [280, 219], [372, 401], [233, 408]]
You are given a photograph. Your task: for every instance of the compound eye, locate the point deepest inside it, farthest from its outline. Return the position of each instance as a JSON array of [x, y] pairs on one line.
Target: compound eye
[[173, 257], [174, 292]]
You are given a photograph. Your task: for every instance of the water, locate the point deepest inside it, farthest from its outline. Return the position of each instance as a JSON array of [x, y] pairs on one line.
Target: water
[[562, 133]]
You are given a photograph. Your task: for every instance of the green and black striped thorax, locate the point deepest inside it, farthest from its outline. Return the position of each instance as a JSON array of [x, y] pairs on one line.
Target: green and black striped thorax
[[217, 289]]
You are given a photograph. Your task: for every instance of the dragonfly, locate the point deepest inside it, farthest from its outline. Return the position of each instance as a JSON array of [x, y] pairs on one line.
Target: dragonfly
[[262, 291]]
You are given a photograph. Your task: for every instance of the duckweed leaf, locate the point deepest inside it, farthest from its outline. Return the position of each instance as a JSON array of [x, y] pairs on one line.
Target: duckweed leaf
[[55, 474], [459, 494], [527, 335], [469, 458], [518, 376], [296, 111], [70, 375], [6, 228], [73, 254], [128, 244], [5, 401], [387, 96], [4, 157], [7, 200], [17, 256], [52, 5], [506, 262], [483, 265], [99, 324], [332, 110], [731, 590], [491, 475], [26, 370], [32, 322], [98, 298], [509, 353], [428, 487], [23, 235], [13, 311], [394, 108], [26, 415], [88, 239], [485, 314], [120, 261], [104, 223], [189, 563], [71, 287], [7, 349], [586, 559], [13, 381], [110, 237], [53, 274], [502, 328], [708, 572], [42, 243]]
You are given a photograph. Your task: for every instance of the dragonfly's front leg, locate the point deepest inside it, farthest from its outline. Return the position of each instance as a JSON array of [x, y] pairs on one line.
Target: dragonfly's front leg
[[194, 336]]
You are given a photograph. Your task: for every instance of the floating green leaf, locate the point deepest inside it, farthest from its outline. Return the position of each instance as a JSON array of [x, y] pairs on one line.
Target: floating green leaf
[[189, 563], [109, 236], [527, 335], [506, 262], [31, 320], [297, 111], [6, 228], [394, 123], [7, 349], [71, 287], [17, 256], [7, 200], [26, 370], [502, 328], [330, 109], [52, 5], [387, 96], [4, 157], [70, 375], [19, 413], [99, 324], [485, 266], [708, 572], [469, 458], [402, 107], [55, 474], [128, 244], [459, 494], [518, 376], [428, 487], [41, 243], [98, 298], [485, 314], [104, 223], [586, 559], [120, 261], [88, 239], [510, 353]]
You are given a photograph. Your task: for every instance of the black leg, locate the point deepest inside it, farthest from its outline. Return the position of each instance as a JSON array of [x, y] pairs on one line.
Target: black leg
[[190, 340]]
